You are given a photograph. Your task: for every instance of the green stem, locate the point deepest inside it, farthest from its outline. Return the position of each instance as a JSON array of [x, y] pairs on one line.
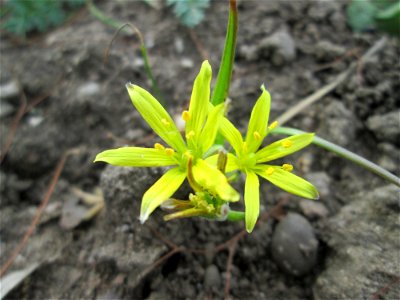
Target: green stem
[[98, 14], [235, 216], [342, 152]]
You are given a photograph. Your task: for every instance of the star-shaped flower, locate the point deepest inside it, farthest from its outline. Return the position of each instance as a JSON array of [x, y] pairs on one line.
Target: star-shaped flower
[[200, 131], [252, 161]]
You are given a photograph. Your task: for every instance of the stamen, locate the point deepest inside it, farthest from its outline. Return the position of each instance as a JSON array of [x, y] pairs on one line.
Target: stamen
[[186, 115], [287, 167], [158, 146], [287, 144], [257, 135], [169, 151], [273, 125], [269, 171], [165, 122], [190, 134], [188, 154]]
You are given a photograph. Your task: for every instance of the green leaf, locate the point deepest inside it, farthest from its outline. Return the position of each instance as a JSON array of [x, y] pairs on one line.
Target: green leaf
[[190, 12], [360, 15], [221, 89], [388, 19]]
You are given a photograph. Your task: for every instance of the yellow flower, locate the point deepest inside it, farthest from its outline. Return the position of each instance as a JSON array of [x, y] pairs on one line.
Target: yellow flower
[[200, 131], [252, 161]]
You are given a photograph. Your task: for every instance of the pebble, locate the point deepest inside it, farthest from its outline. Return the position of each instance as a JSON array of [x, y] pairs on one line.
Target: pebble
[[279, 47], [6, 109], [327, 51], [282, 46], [313, 209], [212, 277], [386, 127], [294, 245], [322, 182], [9, 90], [88, 89]]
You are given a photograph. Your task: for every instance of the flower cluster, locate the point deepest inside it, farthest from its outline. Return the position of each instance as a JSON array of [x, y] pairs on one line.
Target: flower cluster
[[193, 158]]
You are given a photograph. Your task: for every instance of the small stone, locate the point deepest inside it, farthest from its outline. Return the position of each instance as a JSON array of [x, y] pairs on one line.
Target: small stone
[[389, 157], [6, 109], [9, 90], [313, 209], [88, 89], [212, 277], [294, 245], [179, 46], [326, 51], [281, 46], [187, 63], [322, 182], [386, 127]]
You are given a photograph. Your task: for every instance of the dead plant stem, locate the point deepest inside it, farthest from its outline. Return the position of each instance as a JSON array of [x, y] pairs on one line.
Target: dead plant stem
[[319, 94]]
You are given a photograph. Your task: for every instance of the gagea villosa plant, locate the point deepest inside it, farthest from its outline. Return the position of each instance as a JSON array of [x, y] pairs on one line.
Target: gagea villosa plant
[[193, 158], [186, 158]]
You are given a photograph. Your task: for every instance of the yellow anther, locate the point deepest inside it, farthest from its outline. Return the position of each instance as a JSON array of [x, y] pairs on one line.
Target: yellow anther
[[186, 115], [269, 171], [169, 151], [287, 144], [158, 146], [273, 125], [165, 122], [190, 134], [257, 136], [287, 167]]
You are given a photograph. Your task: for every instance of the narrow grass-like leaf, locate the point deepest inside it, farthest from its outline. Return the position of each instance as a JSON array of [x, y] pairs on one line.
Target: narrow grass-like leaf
[[342, 152], [221, 88]]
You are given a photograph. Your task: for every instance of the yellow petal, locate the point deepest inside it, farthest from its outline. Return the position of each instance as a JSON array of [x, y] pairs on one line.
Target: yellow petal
[[257, 129], [156, 116], [287, 181], [136, 157], [251, 200], [199, 101], [210, 130], [232, 135], [161, 191], [284, 147], [211, 179]]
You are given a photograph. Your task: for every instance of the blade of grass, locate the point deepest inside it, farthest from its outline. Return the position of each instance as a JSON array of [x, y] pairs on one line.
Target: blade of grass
[[342, 152], [98, 14]]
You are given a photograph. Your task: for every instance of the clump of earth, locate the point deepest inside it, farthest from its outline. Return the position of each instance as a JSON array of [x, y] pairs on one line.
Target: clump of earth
[[90, 243]]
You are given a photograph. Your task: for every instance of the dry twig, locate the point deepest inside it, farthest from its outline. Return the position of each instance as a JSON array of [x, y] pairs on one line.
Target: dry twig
[[39, 211]]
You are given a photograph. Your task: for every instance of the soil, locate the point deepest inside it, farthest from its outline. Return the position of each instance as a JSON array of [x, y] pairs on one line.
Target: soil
[[294, 48]]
